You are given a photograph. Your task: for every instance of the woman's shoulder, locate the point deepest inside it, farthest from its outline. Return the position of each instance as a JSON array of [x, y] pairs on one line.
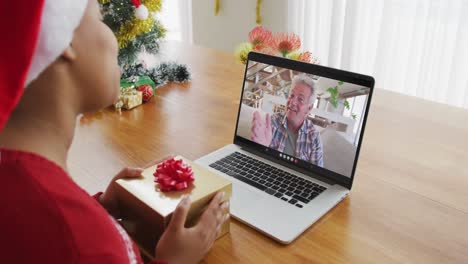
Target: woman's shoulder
[[29, 219], [46, 215], [34, 175], [19, 159]]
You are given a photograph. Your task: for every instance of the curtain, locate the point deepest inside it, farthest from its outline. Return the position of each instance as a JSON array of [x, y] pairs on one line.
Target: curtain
[[176, 16], [417, 47]]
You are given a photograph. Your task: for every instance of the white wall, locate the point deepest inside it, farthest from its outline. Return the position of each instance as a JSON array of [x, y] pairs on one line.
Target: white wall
[[234, 21]]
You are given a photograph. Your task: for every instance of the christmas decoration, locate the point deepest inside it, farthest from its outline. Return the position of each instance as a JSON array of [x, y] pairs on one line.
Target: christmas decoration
[[137, 29], [162, 74], [131, 89], [129, 98], [258, 19], [134, 29], [147, 91], [137, 81], [147, 211], [142, 12], [258, 6], [280, 44], [217, 6], [173, 175]]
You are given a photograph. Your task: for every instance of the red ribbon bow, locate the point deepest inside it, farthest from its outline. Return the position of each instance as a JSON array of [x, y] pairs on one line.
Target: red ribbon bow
[[173, 175]]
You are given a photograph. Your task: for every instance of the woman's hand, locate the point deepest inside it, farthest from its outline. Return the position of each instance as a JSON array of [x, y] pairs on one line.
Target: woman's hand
[[189, 245], [109, 199]]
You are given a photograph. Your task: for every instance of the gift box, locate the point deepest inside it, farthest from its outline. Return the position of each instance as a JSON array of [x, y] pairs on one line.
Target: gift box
[[147, 210], [136, 81], [129, 98]]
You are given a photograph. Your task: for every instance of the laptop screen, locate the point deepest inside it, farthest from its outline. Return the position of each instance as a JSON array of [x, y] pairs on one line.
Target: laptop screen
[[303, 118]]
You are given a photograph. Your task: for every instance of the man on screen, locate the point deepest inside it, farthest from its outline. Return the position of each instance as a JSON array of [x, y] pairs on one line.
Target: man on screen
[[291, 132]]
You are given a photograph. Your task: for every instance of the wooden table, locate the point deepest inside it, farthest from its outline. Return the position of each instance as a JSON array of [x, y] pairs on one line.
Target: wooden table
[[409, 203]]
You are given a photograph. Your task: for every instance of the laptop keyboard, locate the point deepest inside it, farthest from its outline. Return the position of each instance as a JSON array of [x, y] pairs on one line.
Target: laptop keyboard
[[276, 182]]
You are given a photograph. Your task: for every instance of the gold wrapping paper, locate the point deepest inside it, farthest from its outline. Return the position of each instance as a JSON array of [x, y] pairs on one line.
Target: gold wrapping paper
[[147, 211]]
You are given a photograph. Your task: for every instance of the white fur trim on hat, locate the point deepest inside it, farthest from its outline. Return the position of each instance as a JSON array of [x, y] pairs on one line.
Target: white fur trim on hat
[[59, 20]]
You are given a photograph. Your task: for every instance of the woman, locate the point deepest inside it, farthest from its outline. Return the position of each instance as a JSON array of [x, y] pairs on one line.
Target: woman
[[60, 60]]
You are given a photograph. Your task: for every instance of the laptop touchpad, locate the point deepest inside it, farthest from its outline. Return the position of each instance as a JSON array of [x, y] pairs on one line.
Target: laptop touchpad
[[243, 198]]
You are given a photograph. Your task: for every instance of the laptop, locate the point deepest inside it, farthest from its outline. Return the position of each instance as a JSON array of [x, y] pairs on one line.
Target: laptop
[[296, 144]]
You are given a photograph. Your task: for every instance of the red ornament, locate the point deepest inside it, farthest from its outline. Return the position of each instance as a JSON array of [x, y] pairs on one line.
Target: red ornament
[[173, 175], [147, 92], [136, 3]]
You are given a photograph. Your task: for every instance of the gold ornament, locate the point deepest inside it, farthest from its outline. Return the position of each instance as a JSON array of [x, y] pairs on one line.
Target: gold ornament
[[216, 7], [258, 15], [258, 18]]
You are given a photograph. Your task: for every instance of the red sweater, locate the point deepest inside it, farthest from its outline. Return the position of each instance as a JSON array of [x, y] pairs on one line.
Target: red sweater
[[45, 217]]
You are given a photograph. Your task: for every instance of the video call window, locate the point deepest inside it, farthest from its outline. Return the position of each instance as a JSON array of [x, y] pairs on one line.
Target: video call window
[[312, 118]]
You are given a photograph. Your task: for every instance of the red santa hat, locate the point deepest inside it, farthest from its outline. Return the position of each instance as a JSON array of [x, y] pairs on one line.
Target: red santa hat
[[34, 34]]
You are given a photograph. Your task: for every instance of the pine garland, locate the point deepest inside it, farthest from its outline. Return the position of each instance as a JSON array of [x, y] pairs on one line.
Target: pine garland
[[152, 5], [162, 74]]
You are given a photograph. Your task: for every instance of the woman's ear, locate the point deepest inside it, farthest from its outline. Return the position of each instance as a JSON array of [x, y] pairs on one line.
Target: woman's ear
[[69, 53]]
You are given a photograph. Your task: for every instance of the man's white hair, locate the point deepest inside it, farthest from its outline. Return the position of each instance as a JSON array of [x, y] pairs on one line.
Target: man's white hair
[[309, 82]]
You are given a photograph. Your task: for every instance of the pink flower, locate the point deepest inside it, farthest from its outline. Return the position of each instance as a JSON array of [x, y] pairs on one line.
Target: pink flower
[[260, 37], [314, 60], [285, 43], [267, 50], [305, 56]]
